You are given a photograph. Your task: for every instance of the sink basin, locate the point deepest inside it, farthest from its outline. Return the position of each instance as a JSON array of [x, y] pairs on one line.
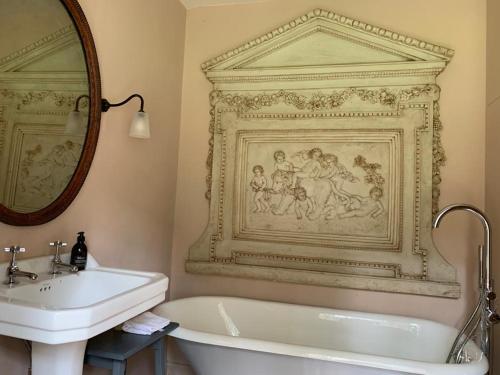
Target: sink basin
[[78, 290], [71, 308]]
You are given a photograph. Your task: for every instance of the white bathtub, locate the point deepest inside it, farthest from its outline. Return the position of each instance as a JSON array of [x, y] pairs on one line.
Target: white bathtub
[[236, 336]]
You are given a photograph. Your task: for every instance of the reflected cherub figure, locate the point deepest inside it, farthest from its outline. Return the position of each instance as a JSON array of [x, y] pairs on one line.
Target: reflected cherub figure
[[303, 204], [259, 185], [283, 172], [365, 206], [281, 164]]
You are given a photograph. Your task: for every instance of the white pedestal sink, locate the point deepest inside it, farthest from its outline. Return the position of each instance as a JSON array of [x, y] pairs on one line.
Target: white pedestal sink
[[59, 314]]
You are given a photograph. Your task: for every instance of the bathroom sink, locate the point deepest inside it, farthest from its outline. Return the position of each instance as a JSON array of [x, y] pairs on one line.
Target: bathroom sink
[[93, 286], [60, 313], [75, 307]]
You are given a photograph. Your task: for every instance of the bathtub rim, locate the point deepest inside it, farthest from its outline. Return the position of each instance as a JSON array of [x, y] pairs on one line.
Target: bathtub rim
[[331, 355]]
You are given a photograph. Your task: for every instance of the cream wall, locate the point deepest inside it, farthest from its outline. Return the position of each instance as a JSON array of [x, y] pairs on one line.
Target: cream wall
[[126, 205], [493, 138], [459, 24]]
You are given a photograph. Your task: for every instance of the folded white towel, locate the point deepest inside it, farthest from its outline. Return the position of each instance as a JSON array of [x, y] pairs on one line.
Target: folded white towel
[[145, 324]]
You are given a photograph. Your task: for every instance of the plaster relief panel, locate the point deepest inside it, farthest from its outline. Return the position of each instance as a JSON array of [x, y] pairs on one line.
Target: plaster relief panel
[[325, 158], [39, 86], [42, 162], [293, 187]]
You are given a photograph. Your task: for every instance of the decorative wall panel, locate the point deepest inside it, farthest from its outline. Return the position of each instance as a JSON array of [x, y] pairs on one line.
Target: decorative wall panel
[[325, 156]]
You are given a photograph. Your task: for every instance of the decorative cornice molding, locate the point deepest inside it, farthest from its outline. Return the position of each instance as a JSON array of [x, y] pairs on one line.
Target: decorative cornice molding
[[190, 4], [242, 77], [443, 52], [50, 40]]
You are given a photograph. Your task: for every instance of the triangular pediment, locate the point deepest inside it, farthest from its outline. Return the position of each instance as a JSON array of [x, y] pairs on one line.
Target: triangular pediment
[[325, 39], [69, 58], [58, 52], [320, 48]]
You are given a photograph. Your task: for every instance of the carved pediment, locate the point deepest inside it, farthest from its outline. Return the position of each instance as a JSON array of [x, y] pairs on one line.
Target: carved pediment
[[322, 46], [325, 156], [57, 52], [322, 40]]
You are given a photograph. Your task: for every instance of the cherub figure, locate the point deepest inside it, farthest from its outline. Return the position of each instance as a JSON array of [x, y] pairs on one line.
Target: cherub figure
[[365, 206], [312, 168], [336, 173], [259, 185], [303, 204], [283, 171], [280, 162]]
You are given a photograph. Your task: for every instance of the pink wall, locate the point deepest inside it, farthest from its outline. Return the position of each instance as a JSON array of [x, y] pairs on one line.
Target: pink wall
[[126, 205], [493, 136], [459, 24]]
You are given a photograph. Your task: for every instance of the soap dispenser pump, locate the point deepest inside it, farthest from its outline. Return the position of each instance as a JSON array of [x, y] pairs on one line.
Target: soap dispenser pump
[[79, 252]]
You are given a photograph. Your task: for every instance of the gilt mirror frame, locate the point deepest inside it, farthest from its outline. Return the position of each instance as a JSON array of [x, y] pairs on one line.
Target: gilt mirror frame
[[59, 205], [338, 95]]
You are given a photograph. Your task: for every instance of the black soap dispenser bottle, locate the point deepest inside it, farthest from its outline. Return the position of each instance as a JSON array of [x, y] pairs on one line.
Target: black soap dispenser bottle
[[79, 252]]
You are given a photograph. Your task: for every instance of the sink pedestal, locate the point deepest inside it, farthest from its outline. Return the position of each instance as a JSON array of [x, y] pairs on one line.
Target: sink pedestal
[[58, 314], [61, 359]]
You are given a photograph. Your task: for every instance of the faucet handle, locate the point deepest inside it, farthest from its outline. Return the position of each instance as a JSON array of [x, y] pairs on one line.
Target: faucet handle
[[58, 244], [14, 249]]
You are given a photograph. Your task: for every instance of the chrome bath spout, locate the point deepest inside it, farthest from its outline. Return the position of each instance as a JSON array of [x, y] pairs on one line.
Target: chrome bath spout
[[484, 316], [486, 263]]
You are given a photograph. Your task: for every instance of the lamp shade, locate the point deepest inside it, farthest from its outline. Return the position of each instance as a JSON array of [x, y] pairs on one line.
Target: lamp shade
[[74, 123], [139, 128]]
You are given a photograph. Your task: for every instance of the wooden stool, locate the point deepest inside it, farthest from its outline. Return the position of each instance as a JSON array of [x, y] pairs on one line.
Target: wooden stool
[[111, 349]]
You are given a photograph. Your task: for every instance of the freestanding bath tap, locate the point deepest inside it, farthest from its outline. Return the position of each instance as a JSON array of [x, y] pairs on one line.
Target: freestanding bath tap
[[484, 316]]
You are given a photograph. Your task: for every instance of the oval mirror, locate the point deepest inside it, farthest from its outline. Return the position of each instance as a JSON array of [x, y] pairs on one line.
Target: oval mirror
[[49, 107]]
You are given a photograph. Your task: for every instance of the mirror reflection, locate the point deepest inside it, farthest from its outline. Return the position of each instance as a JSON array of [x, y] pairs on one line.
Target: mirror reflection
[[42, 74]]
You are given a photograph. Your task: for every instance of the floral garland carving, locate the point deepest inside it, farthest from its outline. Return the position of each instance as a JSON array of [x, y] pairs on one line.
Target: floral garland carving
[[34, 97], [317, 102], [438, 158], [372, 175]]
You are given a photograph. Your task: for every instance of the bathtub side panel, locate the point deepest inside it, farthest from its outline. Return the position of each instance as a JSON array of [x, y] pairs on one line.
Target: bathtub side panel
[[217, 360]]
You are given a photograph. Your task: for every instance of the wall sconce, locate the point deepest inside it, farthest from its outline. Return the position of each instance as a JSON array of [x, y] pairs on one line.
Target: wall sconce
[[74, 123], [139, 128]]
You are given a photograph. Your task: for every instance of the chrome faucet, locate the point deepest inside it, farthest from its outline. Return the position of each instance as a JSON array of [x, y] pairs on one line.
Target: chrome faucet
[[13, 270], [480, 322], [57, 262]]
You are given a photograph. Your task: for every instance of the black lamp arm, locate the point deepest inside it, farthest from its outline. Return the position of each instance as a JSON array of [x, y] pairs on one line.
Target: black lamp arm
[[77, 102], [106, 105]]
